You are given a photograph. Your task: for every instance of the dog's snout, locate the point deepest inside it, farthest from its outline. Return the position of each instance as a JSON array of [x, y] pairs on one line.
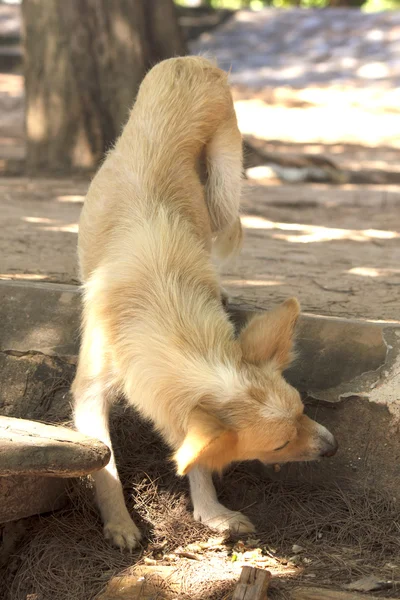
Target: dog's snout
[[327, 444], [330, 448]]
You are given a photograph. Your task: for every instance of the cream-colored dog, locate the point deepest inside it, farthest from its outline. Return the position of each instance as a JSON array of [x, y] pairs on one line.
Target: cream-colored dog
[[163, 205]]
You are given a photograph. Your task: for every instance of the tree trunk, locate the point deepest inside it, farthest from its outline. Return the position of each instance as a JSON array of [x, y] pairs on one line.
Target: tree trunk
[[84, 61]]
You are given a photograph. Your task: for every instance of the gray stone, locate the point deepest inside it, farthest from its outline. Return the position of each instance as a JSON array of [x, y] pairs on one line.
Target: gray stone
[[37, 317], [340, 358]]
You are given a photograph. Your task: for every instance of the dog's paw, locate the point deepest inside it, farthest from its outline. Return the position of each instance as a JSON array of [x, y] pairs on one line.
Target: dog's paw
[[226, 520], [123, 534]]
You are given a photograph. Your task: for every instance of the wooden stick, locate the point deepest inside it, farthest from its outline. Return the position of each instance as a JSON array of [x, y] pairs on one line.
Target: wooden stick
[[252, 585]]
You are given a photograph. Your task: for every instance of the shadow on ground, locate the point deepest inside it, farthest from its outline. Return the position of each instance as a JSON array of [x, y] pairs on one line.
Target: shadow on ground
[[343, 534]]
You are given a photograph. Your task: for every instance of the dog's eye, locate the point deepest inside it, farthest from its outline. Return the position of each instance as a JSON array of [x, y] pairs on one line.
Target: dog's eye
[[283, 446]]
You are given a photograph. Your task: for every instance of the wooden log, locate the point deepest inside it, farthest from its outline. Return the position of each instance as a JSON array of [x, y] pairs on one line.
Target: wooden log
[[33, 448], [313, 593], [252, 585]]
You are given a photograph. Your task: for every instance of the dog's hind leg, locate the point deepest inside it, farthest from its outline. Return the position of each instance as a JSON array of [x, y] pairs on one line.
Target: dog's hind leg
[[208, 510], [92, 399]]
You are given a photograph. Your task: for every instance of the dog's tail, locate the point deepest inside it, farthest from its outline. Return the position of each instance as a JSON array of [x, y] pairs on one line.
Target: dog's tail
[[224, 175], [193, 118]]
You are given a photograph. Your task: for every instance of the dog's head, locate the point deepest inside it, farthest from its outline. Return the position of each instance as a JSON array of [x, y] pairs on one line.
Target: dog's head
[[264, 418]]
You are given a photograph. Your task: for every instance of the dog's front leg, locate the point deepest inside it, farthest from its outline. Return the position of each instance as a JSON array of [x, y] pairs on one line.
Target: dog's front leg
[[91, 417], [208, 510]]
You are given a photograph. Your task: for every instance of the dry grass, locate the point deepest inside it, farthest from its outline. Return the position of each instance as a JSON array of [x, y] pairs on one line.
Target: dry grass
[[343, 534]]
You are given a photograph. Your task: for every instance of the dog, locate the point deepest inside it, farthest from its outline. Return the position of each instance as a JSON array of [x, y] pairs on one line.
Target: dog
[[161, 212]]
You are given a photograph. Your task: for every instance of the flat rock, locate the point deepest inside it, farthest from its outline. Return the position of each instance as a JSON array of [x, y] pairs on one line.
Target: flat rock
[[32, 448], [47, 319], [24, 496], [348, 372]]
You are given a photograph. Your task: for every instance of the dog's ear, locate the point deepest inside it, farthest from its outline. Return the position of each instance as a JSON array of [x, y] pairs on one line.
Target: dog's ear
[[269, 336], [208, 443]]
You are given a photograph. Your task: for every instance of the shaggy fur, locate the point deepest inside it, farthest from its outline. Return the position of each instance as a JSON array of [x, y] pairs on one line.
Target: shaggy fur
[[160, 211]]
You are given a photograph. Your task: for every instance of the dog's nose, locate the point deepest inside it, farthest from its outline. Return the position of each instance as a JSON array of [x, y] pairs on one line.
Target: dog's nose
[[330, 448]]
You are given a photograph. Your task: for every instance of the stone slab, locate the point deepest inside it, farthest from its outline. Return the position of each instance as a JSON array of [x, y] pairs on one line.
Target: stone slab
[[38, 317], [23, 496], [338, 358], [348, 373], [33, 448], [343, 358]]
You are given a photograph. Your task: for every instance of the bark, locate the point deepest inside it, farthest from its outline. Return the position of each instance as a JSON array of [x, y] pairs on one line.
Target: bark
[[84, 61]]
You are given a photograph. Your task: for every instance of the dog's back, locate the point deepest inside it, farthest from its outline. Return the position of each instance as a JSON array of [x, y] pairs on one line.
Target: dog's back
[[180, 150]]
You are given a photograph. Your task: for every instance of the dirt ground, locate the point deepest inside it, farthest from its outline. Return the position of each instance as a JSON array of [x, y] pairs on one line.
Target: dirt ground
[[335, 247], [307, 534]]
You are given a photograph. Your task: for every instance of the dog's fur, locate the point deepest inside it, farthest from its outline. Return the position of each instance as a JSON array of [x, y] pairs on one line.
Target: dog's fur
[[161, 208]]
